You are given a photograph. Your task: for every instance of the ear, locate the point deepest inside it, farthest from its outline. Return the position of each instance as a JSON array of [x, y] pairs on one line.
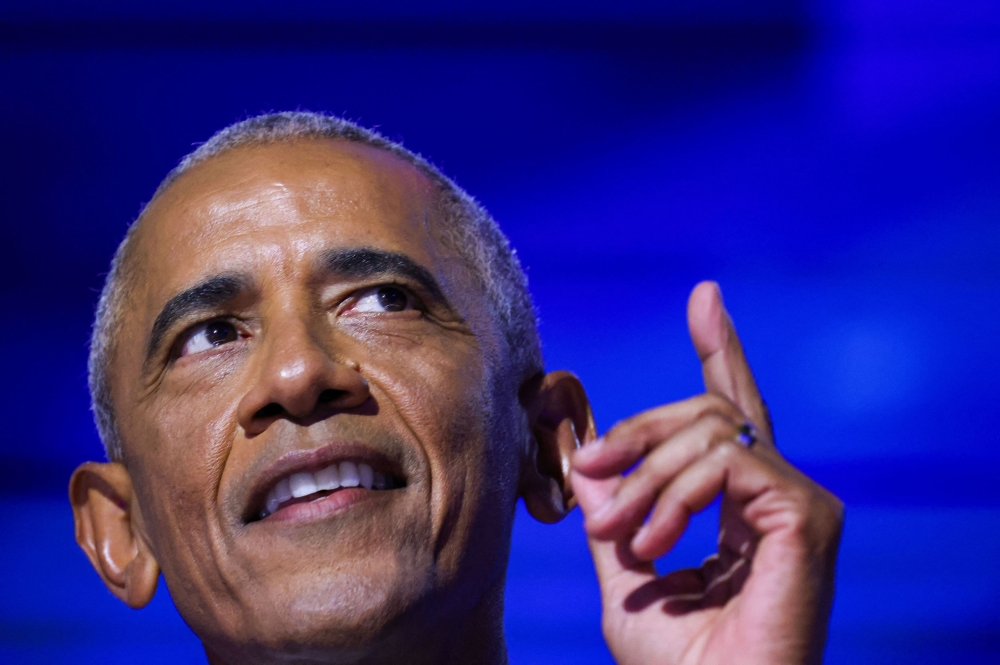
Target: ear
[[109, 531], [560, 420]]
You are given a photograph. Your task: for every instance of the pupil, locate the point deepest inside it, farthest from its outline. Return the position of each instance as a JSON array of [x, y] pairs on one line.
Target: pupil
[[393, 300], [220, 332]]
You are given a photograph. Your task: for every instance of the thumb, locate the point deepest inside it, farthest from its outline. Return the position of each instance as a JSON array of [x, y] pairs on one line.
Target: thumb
[[723, 364]]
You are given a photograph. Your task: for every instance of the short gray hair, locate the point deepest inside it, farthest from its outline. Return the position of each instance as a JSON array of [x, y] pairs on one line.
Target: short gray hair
[[470, 231]]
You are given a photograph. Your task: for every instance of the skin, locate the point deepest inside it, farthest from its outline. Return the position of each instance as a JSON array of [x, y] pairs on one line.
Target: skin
[[765, 597], [417, 571]]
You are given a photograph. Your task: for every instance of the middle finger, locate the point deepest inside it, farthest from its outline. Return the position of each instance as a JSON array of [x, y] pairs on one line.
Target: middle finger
[[625, 511]]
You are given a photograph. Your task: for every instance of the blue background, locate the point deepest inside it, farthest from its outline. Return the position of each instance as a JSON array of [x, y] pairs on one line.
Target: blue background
[[835, 165]]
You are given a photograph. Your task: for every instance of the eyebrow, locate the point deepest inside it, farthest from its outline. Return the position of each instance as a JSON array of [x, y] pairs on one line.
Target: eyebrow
[[365, 262], [205, 295], [356, 263]]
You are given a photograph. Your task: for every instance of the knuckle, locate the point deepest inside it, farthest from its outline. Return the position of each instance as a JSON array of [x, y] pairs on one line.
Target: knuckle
[[622, 427], [799, 523], [615, 434], [718, 403], [712, 431], [654, 466], [832, 511], [634, 431], [800, 495], [639, 479], [719, 425], [815, 515], [673, 507], [837, 508], [727, 451], [823, 502]]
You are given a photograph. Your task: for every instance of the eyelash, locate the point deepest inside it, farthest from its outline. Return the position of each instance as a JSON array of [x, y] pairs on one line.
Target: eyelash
[[205, 326], [413, 303]]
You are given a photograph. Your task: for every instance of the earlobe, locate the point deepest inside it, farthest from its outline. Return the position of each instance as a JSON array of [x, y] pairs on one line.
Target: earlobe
[[561, 421], [107, 530]]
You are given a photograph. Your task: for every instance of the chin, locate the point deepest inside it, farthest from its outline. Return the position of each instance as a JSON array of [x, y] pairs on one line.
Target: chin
[[329, 615]]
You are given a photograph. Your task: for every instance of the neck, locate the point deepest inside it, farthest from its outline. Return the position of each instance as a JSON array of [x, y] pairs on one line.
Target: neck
[[478, 637], [468, 636]]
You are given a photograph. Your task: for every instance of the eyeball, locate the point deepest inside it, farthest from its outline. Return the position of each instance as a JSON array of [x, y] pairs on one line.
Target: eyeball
[[209, 335], [384, 299]]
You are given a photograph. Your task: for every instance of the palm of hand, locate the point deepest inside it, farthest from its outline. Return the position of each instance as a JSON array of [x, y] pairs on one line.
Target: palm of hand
[[757, 601], [711, 615]]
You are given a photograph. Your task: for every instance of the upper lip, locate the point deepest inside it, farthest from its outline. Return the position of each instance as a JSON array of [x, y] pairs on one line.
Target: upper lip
[[296, 461]]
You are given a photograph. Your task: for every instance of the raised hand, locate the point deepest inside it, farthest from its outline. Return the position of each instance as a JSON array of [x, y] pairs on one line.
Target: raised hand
[[765, 596]]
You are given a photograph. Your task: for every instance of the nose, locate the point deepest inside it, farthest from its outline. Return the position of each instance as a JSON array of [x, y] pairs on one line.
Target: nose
[[299, 380]]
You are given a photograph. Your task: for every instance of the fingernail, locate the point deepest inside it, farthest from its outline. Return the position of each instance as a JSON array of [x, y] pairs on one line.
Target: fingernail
[[640, 535], [591, 447], [718, 289]]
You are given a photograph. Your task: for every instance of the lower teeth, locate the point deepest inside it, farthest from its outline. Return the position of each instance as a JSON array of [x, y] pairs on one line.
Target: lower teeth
[[389, 483]]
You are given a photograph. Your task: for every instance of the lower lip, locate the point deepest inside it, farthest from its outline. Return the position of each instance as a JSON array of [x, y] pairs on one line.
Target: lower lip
[[331, 504]]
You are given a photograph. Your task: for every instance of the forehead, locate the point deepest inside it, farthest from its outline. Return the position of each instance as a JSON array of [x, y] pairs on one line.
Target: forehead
[[284, 202]]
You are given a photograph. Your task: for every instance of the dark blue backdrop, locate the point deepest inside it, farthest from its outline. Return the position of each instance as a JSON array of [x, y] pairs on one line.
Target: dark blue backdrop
[[834, 164]]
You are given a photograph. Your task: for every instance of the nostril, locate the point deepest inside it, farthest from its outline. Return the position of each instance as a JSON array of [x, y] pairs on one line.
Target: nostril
[[276, 410], [270, 411], [330, 395]]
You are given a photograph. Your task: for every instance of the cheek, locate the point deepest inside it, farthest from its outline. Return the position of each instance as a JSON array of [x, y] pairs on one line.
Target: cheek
[[194, 423], [438, 386], [184, 446], [445, 395]]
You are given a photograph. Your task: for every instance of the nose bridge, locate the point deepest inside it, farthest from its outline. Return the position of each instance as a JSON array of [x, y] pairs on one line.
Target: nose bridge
[[296, 343], [293, 325], [299, 371]]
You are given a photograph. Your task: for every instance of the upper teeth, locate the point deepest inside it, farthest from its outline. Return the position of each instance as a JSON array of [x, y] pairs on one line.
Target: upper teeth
[[303, 483]]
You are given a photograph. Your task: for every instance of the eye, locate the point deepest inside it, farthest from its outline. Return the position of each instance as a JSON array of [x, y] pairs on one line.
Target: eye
[[209, 335], [384, 299]]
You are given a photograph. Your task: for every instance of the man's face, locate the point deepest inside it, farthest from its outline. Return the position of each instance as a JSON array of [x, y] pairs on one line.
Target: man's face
[[294, 310]]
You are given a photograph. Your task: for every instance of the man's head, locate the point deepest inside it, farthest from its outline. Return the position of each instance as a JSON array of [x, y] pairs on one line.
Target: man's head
[[301, 301], [467, 230]]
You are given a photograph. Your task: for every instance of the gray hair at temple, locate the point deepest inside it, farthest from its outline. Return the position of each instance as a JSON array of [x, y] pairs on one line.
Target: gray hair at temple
[[470, 231]]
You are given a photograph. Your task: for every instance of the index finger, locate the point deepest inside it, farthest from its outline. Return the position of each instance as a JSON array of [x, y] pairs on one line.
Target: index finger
[[723, 363]]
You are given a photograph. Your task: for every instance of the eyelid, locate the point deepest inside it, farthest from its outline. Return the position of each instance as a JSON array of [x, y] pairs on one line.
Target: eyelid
[[182, 338], [416, 301]]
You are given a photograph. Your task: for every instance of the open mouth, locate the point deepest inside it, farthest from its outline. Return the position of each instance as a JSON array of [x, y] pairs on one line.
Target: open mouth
[[309, 486]]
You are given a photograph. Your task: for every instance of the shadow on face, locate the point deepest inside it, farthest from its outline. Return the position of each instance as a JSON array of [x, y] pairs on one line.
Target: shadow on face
[[321, 450]]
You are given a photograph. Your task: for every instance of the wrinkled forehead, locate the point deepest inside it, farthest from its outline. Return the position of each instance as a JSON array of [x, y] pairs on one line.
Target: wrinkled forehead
[[281, 204]]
